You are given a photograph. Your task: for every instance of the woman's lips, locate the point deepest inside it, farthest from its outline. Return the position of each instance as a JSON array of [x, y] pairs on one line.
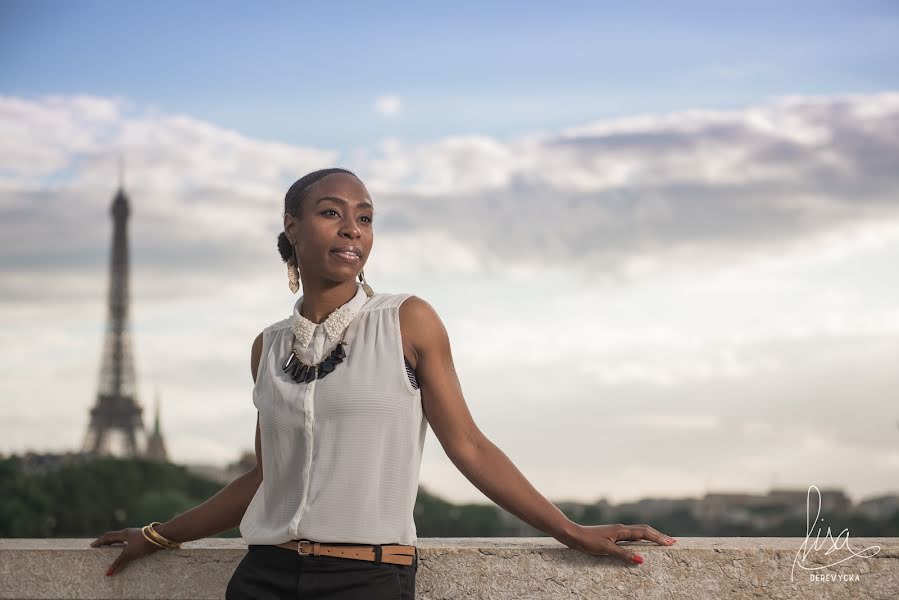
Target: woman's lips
[[349, 257]]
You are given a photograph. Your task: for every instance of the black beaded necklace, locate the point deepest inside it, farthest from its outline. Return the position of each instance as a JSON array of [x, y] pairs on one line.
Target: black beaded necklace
[[300, 372]]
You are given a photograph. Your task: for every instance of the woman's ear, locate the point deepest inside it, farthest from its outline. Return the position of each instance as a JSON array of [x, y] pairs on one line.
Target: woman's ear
[[289, 222]]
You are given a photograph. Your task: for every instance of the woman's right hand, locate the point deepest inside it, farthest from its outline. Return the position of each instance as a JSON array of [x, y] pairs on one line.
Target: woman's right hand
[[601, 539], [136, 546]]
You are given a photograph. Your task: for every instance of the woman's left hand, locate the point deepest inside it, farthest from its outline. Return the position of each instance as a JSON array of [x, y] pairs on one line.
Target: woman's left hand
[[600, 539]]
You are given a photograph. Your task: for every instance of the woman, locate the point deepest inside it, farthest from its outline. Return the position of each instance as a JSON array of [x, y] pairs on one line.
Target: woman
[[345, 390]]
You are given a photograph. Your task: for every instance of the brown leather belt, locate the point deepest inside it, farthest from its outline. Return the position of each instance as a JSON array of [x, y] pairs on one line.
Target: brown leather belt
[[397, 554]]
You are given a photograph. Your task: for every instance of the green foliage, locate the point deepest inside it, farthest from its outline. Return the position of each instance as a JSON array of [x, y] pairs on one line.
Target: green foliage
[[435, 517], [88, 498]]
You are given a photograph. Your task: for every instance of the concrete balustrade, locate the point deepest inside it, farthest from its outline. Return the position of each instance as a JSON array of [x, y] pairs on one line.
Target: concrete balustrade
[[491, 568]]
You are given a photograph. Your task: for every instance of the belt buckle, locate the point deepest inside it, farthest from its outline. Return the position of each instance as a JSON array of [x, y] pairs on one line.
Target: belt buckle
[[300, 546]]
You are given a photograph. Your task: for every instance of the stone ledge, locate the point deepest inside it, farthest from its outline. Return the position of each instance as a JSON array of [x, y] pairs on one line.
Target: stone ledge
[[489, 568]]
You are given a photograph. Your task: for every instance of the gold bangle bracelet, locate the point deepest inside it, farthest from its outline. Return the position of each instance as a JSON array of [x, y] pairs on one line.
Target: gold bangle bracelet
[[159, 538], [159, 535], [153, 535], [151, 540], [162, 544]]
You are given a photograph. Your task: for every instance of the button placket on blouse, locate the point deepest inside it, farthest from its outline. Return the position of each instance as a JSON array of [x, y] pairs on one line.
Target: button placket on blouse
[[318, 344]]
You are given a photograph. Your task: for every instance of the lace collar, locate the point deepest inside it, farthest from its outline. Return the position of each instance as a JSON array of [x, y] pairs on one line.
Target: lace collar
[[334, 324]]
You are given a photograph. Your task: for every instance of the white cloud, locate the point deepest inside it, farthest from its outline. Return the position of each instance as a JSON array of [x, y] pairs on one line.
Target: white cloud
[[625, 198], [388, 105], [41, 137]]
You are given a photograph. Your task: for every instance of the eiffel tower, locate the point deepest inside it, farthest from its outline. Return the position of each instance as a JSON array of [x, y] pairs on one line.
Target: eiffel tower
[[117, 410]]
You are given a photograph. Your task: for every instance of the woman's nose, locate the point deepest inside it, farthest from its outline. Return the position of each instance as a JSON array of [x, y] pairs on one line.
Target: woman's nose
[[350, 229]]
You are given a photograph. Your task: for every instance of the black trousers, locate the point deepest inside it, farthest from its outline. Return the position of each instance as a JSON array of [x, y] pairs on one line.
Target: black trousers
[[275, 573]]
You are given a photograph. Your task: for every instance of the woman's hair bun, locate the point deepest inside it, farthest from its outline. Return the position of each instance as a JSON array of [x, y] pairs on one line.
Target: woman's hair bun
[[284, 247]]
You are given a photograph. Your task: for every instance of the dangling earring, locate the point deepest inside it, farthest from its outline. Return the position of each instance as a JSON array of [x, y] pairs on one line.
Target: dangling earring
[[293, 274], [368, 291]]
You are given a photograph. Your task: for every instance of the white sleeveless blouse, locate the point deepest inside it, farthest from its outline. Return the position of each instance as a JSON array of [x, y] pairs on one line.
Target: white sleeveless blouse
[[341, 455]]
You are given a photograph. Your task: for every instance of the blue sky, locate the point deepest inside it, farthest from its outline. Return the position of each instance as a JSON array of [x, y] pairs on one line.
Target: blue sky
[[699, 197], [309, 73]]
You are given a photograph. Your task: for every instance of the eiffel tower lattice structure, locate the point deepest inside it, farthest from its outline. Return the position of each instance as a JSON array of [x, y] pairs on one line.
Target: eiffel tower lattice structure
[[117, 412]]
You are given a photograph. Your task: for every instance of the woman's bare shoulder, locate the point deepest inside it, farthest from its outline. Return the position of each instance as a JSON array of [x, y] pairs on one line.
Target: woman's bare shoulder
[[421, 321], [255, 355]]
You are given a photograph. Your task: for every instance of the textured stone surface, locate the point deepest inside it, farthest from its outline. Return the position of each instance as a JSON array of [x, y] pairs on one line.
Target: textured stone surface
[[495, 568]]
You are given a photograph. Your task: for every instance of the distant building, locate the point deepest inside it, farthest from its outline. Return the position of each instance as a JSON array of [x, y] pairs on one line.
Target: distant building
[[225, 475], [725, 507], [653, 508], [879, 508], [38, 463], [831, 500], [155, 443]]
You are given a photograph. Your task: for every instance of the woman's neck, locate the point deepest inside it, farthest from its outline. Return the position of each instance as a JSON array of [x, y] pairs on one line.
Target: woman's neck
[[321, 301]]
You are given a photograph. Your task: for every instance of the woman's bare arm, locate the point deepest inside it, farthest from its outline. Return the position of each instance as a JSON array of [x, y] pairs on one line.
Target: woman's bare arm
[[481, 461], [224, 510], [219, 513]]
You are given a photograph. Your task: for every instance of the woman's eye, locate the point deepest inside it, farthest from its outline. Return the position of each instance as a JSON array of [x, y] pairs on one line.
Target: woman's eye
[[331, 210]]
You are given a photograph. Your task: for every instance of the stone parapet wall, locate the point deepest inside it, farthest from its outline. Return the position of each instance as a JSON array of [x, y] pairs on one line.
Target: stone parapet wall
[[490, 568]]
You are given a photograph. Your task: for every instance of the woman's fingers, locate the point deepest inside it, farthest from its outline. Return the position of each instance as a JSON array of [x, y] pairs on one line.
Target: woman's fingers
[[118, 564], [125, 556], [645, 532], [623, 553], [637, 532], [110, 537]]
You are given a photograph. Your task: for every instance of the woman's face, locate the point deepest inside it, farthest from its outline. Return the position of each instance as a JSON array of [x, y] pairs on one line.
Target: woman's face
[[336, 214]]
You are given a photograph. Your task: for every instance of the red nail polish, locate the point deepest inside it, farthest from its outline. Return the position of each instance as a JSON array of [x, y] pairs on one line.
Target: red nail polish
[[108, 572], [638, 559]]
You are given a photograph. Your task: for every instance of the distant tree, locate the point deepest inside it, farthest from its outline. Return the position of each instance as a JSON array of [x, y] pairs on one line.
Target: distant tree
[[86, 499]]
